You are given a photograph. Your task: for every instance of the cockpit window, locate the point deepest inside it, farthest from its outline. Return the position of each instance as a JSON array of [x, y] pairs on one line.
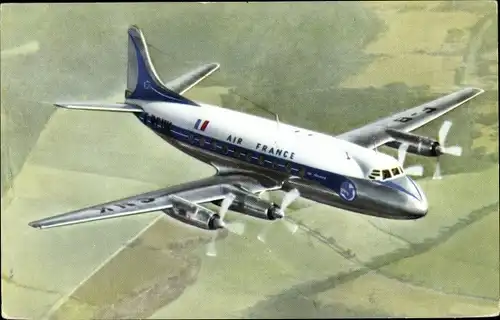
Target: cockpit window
[[383, 174], [386, 174]]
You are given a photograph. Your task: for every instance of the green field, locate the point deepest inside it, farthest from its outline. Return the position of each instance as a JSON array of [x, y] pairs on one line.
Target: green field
[[466, 264], [328, 67]]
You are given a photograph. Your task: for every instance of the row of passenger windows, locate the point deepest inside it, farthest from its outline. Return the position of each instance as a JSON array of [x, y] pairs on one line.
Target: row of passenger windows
[[246, 155], [165, 126]]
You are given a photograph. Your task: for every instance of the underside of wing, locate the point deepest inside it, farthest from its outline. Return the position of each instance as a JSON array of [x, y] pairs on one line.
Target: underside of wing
[[185, 82], [200, 191], [376, 133], [99, 106]]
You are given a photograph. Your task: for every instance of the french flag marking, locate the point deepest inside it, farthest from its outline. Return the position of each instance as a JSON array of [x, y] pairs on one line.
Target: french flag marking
[[203, 126]]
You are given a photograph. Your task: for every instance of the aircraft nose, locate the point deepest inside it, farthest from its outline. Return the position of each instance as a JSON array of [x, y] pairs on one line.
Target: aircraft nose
[[419, 204], [419, 208], [414, 203]]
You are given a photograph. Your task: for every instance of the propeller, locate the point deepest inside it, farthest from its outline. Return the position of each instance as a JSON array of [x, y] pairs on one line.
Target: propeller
[[417, 170], [441, 149], [443, 133], [219, 223], [289, 197]]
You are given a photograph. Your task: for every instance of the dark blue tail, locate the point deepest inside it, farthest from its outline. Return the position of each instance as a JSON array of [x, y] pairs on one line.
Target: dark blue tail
[[143, 82]]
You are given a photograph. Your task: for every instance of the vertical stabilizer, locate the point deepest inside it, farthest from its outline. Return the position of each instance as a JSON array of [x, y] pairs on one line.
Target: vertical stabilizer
[[143, 82]]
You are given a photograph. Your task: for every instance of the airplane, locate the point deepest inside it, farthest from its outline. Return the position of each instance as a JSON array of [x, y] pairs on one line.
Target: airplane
[[253, 155]]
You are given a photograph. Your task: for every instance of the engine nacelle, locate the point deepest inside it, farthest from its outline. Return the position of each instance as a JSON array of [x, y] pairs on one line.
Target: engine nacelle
[[249, 204], [193, 214], [423, 146]]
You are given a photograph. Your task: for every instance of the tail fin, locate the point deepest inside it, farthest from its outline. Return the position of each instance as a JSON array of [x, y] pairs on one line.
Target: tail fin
[[143, 82]]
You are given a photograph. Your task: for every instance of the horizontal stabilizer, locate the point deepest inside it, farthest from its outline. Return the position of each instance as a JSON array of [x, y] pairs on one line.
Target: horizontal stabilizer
[[190, 79], [99, 106]]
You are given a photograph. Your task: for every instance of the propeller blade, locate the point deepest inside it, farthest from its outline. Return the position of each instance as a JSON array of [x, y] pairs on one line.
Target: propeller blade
[[454, 151], [443, 132], [236, 227], [263, 233], [226, 203], [290, 226], [415, 171], [402, 153], [437, 172], [265, 196], [211, 249], [290, 196]]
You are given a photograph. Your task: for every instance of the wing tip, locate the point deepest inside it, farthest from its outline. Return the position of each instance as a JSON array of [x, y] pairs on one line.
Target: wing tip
[[475, 90], [478, 90], [35, 224], [211, 68]]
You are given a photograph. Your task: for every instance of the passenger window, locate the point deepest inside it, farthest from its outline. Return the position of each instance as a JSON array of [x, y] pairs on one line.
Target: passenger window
[[249, 156], [214, 145], [240, 153], [191, 138], [202, 141], [167, 127], [225, 150], [302, 172], [386, 174], [261, 160], [288, 167]]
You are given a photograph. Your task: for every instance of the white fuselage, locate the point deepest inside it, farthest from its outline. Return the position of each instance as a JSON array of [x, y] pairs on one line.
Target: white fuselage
[[284, 141]]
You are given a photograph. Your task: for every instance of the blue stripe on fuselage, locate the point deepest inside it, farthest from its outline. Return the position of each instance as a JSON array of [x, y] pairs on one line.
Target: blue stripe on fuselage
[[415, 185], [328, 179], [396, 186]]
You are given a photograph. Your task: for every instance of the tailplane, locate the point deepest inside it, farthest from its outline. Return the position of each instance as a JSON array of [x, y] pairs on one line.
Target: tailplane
[[143, 82]]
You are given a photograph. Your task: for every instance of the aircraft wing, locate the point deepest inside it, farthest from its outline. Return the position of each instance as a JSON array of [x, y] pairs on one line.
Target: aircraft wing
[[200, 191], [374, 134], [190, 79]]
